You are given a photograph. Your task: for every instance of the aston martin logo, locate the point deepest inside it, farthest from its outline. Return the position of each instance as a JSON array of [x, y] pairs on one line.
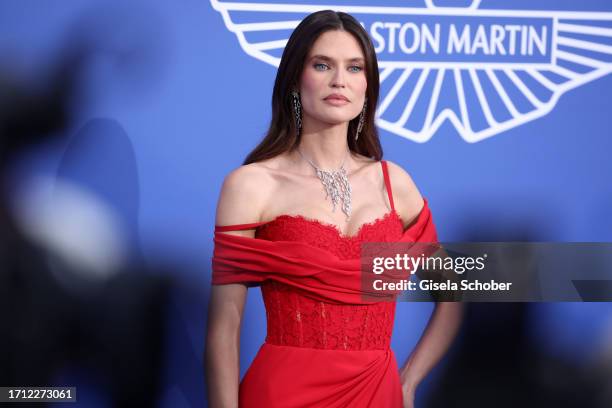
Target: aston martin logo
[[483, 70]]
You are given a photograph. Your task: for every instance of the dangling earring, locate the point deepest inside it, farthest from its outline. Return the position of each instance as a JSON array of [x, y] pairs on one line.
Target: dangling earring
[[361, 119], [297, 110]]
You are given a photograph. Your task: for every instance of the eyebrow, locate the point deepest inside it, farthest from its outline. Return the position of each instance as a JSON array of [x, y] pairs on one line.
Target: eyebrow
[[326, 58]]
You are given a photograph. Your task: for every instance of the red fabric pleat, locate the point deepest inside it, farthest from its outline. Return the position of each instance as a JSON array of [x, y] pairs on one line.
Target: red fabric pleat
[[238, 259]]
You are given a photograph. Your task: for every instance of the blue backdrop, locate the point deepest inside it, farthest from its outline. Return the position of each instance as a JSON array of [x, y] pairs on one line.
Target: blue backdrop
[[179, 92]]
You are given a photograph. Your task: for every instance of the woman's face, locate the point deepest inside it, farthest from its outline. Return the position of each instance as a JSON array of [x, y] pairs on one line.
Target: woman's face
[[334, 68]]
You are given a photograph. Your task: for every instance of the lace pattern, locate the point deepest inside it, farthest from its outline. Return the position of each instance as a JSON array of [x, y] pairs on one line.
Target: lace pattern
[[387, 228], [294, 319]]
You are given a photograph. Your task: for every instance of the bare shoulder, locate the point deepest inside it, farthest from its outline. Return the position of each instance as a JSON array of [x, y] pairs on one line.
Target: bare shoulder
[[406, 195], [243, 195]]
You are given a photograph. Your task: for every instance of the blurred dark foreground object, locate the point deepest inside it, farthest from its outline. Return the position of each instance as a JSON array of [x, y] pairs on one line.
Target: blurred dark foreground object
[[111, 328], [496, 365]]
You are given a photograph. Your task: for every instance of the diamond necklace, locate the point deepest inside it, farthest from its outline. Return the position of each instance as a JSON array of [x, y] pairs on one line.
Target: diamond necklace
[[336, 184]]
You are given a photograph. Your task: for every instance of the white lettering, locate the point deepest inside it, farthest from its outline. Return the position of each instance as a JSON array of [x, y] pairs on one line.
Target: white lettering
[[456, 43], [497, 38], [416, 37], [523, 40], [429, 37], [485, 39], [538, 41], [488, 286], [512, 29], [377, 37], [480, 41], [392, 27]]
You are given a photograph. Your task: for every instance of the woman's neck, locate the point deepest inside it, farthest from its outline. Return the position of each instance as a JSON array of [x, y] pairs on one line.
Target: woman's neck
[[326, 147]]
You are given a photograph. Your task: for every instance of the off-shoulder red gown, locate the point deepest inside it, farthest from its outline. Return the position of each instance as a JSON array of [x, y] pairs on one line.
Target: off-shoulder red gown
[[325, 346]]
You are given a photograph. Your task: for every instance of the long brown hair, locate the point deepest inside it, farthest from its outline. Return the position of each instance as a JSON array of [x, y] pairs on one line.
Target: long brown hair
[[282, 134]]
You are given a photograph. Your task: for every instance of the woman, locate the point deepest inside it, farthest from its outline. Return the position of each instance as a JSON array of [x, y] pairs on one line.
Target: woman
[[318, 181]]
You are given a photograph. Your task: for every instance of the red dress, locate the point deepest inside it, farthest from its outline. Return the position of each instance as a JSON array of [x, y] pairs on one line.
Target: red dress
[[325, 345]]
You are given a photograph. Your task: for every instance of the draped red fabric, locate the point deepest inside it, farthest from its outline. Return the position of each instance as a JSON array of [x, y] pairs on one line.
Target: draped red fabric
[[238, 259], [326, 346]]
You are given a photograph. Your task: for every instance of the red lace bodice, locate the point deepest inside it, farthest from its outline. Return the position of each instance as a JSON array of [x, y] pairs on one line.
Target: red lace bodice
[[296, 320]]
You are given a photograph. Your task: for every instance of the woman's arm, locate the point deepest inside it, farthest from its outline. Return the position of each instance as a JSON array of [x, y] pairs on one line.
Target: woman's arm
[[239, 203], [223, 344], [433, 344], [446, 317]]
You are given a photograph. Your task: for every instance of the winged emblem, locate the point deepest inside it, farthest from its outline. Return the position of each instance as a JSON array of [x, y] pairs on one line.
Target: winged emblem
[[482, 94]]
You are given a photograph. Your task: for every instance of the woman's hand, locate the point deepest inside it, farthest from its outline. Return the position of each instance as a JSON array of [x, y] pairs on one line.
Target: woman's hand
[[408, 394], [436, 339]]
